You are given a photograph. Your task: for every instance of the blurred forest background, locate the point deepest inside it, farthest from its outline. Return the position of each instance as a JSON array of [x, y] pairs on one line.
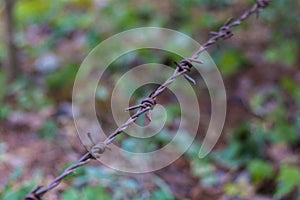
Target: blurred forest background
[[258, 154]]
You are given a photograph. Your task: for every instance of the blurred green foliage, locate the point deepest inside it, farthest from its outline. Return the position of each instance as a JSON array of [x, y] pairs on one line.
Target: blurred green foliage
[[244, 145], [49, 130], [260, 170], [28, 96], [89, 193], [288, 179], [63, 79], [230, 61], [10, 192], [60, 20], [284, 20]]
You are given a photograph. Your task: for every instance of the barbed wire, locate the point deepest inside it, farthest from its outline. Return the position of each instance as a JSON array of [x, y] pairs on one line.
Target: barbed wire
[[149, 102]]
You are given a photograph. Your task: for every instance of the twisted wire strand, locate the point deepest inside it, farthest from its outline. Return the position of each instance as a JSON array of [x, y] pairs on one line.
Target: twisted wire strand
[[39, 191], [225, 31], [148, 103]]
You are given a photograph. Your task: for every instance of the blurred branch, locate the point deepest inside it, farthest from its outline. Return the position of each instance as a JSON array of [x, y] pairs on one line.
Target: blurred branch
[[11, 67]]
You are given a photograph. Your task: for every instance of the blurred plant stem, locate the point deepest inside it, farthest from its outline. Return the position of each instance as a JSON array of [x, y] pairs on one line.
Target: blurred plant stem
[[11, 67]]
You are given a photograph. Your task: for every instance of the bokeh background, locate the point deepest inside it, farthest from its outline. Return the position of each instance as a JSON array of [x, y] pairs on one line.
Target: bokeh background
[[42, 46]]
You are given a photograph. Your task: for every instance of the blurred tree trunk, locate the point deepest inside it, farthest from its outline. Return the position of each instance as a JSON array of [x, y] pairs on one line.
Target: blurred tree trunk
[[11, 67]]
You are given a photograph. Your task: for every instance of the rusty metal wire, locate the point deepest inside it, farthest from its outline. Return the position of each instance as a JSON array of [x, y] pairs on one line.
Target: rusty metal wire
[[149, 102], [39, 191], [225, 31]]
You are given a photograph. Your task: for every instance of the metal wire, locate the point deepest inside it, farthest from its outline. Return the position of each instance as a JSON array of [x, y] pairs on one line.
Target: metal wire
[[149, 102]]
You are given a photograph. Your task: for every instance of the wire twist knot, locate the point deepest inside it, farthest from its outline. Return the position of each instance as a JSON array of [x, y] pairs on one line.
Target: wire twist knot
[[98, 149], [185, 65], [226, 32], [148, 102]]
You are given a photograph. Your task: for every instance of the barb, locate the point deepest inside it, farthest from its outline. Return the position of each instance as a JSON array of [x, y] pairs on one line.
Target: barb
[[148, 103], [225, 31], [39, 191]]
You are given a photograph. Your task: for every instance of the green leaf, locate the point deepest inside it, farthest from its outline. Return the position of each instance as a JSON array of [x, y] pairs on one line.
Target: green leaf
[[164, 193], [288, 179], [230, 61], [160, 195], [289, 175], [260, 170], [17, 194], [286, 52], [244, 144], [32, 11], [71, 194], [289, 84], [63, 78], [99, 193], [285, 132], [5, 111], [205, 170], [231, 190]]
